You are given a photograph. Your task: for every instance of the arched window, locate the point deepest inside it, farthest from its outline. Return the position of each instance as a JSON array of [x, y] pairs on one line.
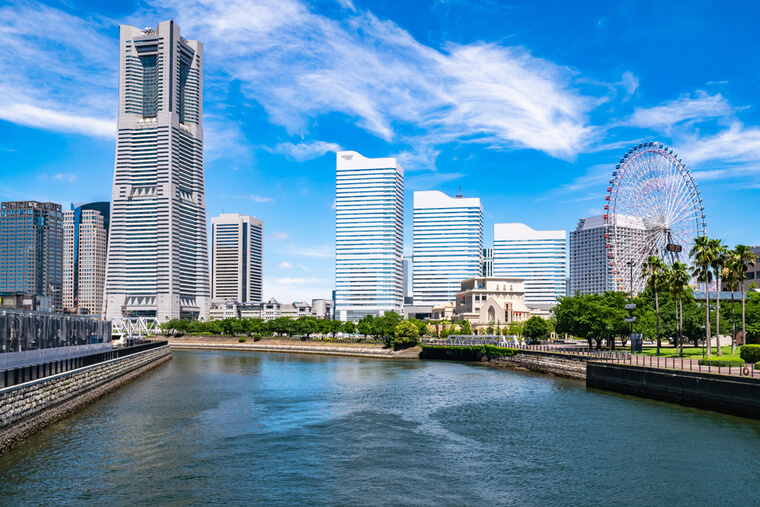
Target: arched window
[[491, 314]]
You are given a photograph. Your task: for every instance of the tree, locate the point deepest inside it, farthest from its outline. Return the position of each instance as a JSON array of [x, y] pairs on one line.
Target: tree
[[514, 328], [383, 327], [536, 328], [306, 326], [703, 253], [324, 326], [746, 258], [678, 282], [718, 263], [365, 325], [654, 270], [466, 327], [406, 334], [349, 327]]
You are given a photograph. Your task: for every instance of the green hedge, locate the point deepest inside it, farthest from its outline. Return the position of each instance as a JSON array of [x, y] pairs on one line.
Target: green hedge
[[241, 339], [750, 353], [256, 337], [723, 363]]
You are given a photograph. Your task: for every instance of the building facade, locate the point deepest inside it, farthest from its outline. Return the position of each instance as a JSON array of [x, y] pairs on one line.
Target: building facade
[[369, 236], [236, 258], [539, 257], [157, 250], [487, 262], [447, 246], [31, 250], [591, 269], [85, 239], [491, 301]]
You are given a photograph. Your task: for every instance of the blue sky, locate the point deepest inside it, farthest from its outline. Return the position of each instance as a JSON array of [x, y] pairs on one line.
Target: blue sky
[[525, 105]]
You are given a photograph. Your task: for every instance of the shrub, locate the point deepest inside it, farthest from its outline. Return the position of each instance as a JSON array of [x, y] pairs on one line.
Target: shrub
[[723, 363], [241, 339], [256, 337], [750, 353], [405, 335], [204, 333]]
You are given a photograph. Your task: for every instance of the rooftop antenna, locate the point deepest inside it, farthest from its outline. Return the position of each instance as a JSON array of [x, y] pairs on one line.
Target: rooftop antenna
[[459, 195]]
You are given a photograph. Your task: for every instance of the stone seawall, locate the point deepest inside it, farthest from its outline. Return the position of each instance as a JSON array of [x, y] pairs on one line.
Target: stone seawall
[[542, 362], [316, 348], [25, 409]]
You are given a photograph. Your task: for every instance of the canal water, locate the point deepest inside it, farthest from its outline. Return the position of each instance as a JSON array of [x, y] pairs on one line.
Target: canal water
[[234, 428]]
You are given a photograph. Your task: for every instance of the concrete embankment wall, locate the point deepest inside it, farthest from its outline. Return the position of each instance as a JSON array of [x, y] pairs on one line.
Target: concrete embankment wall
[[322, 349], [738, 396], [561, 365], [27, 408]]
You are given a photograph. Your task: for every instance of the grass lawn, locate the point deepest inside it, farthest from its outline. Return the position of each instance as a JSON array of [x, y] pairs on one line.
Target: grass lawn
[[690, 352]]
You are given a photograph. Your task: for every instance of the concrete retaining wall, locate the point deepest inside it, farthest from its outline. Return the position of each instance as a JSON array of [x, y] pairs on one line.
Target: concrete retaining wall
[[27, 408], [543, 362], [738, 396]]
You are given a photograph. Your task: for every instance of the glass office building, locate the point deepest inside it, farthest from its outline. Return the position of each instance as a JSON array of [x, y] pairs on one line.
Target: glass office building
[[31, 250], [447, 245], [236, 258], [369, 236], [539, 257]]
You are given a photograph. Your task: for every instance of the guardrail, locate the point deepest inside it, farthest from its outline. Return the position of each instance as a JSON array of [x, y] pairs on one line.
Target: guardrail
[[22, 374]]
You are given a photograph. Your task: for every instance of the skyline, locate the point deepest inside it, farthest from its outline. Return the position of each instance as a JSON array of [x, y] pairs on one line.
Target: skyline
[[472, 93]]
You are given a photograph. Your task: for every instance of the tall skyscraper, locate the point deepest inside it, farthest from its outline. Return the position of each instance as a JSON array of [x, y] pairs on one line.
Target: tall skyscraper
[[487, 262], [31, 249], [369, 236], [591, 270], [157, 249], [447, 245], [85, 239], [236, 258], [540, 257]]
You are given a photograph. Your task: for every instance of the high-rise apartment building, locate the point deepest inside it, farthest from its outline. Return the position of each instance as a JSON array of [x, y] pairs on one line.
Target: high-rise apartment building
[[369, 236], [447, 245], [31, 249], [591, 270], [85, 239], [157, 249], [236, 258], [539, 257]]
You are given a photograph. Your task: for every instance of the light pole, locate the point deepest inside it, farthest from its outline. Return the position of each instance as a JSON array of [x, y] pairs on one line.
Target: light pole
[[608, 335]]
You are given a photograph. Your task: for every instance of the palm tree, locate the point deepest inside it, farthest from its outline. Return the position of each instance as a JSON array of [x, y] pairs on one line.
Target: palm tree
[[702, 252], [731, 272], [679, 280], [745, 258], [654, 270], [718, 264]]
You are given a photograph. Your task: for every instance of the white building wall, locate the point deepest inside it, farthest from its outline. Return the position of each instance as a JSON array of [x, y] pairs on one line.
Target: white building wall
[[540, 257], [591, 271], [369, 241], [447, 245]]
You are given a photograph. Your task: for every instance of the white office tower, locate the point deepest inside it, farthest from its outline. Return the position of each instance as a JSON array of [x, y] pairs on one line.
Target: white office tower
[[369, 236], [591, 266], [157, 250], [539, 257], [447, 245], [236, 258]]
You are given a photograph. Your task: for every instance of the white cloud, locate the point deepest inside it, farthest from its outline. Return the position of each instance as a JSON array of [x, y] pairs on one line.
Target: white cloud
[[257, 198], [299, 65], [277, 236], [738, 144], [686, 108], [67, 177], [33, 116], [289, 289], [306, 151], [630, 82], [285, 265]]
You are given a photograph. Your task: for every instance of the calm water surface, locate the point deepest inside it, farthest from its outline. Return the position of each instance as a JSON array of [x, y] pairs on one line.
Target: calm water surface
[[236, 428]]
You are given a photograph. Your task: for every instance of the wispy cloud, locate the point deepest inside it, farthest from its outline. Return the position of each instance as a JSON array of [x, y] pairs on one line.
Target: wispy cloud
[[306, 151], [299, 65], [699, 107], [67, 177], [320, 251], [277, 236], [256, 198], [285, 265], [734, 144]]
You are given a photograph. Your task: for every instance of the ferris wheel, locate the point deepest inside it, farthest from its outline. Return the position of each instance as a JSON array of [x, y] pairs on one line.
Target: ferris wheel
[[652, 207]]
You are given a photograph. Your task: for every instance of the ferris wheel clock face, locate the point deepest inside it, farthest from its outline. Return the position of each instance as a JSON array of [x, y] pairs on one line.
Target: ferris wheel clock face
[[652, 207]]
